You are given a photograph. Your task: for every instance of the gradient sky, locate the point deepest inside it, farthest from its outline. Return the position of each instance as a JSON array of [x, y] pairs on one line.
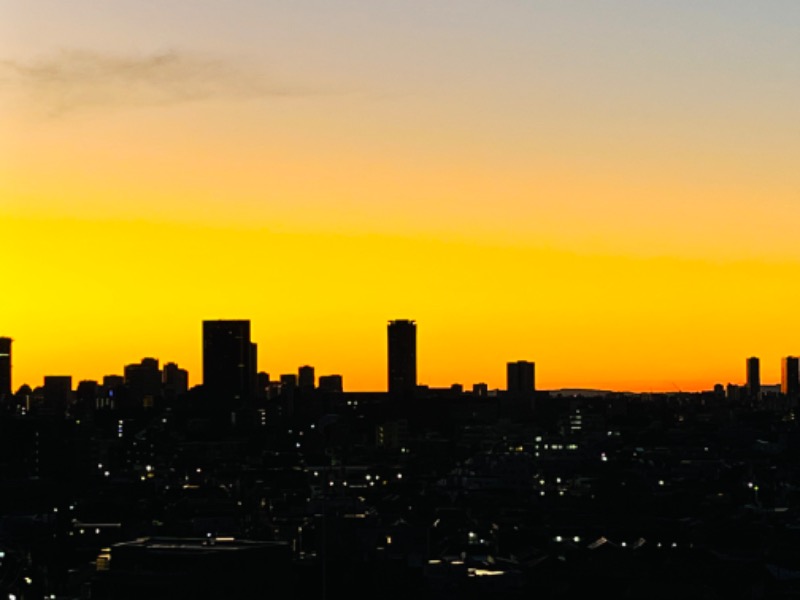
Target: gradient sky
[[610, 189]]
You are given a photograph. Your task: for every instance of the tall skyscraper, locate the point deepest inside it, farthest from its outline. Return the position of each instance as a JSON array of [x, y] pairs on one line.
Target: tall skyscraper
[[402, 358], [229, 369], [520, 378], [5, 366], [790, 376], [753, 378]]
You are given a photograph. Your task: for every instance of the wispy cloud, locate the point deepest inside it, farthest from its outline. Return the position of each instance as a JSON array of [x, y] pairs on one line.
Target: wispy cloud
[[74, 80]]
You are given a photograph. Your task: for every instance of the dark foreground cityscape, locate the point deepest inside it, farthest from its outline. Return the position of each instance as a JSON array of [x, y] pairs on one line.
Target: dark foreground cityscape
[[249, 487]]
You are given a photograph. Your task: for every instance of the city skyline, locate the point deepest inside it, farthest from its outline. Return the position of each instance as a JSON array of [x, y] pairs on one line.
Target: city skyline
[[230, 367], [610, 186]]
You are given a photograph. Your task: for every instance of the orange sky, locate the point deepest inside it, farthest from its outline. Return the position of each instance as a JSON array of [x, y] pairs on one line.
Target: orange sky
[[611, 192]]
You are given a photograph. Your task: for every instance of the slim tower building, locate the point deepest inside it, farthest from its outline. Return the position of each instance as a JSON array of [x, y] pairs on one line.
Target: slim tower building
[[5, 366], [402, 338], [753, 378], [790, 376]]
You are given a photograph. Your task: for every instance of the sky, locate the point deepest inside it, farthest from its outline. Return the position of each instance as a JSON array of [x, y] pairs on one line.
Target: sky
[[610, 190]]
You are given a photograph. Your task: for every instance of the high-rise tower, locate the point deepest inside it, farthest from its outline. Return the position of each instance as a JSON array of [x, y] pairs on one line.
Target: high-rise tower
[[790, 376], [229, 369], [753, 378], [5, 366], [402, 358], [520, 379]]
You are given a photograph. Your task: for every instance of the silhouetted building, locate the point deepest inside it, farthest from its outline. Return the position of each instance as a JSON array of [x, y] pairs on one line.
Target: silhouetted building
[[113, 381], [288, 390], [253, 370], [331, 383], [754, 378], [790, 376], [520, 380], [263, 384], [57, 394], [480, 389], [86, 396], [402, 358], [143, 381], [176, 380], [229, 370], [87, 391], [111, 391], [288, 381], [5, 366], [305, 378]]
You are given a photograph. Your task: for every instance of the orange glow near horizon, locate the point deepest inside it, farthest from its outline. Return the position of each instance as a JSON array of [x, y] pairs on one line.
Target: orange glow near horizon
[[609, 191], [91, 296]]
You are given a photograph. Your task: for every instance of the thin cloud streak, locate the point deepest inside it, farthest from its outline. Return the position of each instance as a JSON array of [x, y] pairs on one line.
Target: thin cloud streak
[[74, 80]]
